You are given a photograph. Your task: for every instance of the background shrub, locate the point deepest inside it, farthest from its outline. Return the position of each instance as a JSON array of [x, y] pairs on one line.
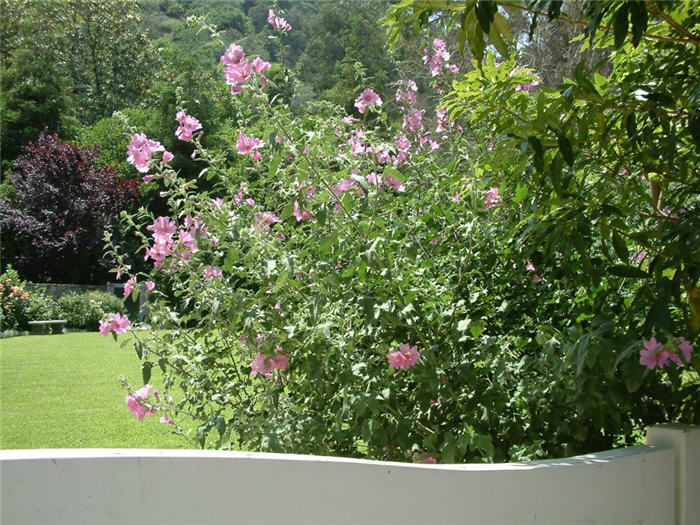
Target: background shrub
[[84, 310]]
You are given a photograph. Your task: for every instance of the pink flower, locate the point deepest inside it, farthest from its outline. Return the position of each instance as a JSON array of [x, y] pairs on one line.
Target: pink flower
[[413, 120], [213, 272], [188, 125], [639, 256], [402, 143], [165, 419], [119, 273], [233, 55], [367, 99], [277, 22], [129, 286], [263, 365], [148, 178], [404, 358], [105, 327], [120, 324], [301, 214], [373, 178], [163, 229], [394, 183], [653, 354], [167, 157], [150, 285], [135, 402], [492, 198], [260, 65], [140, 150], [424, 458], [686, 348], [246, 145]]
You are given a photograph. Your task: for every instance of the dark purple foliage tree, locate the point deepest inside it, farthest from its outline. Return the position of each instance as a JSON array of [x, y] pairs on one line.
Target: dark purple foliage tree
[[54, 223]]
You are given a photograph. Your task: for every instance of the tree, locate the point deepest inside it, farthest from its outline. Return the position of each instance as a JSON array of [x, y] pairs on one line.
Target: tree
[[98, 46], [61, 207]]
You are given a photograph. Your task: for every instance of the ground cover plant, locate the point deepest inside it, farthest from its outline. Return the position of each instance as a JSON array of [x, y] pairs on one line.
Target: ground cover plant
[[510, 274], [76, 399]]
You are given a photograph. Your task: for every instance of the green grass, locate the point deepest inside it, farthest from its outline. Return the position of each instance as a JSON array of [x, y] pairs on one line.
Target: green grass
[[63, 391]]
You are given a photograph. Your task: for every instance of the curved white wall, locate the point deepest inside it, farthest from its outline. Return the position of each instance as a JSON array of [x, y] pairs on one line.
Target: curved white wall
[[93, 487]]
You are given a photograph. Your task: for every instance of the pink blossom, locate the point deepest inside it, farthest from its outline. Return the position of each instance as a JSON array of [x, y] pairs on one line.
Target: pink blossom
[[233, 55], [529, 266], [492, 198], [409, 94], [343, 185], [120, 324], [301, 214], [375, 179], [158, 252], [140, 150], [129, 286], [165, 419], [119, 272], [639, 256], [105, 327], [263, 365], [367, 99], [163, 229], [456, 197], [167, 157], [413, 120], [188, 125], [277, 22], [246, 145], [394, 183], [150, 285], [686, 348], [653, 354], [402, 143], [260, 65], [148, 178], [404, 358], [213, 272], [453, 69], [256, 156], [424, 458], [135, 402]]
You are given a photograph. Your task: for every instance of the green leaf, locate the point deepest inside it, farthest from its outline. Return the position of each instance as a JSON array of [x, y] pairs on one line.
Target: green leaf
[[146, 371], [520, 192], [220, 424], [620, 247], [485, 11], [620, 25], [538, 152], [138, 346], [638, 12], [566, 149], [476, 329], [554, 9], [624, 270]]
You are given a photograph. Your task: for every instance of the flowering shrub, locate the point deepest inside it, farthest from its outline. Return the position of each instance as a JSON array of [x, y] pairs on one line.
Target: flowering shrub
[[13, 301], [356, 289]]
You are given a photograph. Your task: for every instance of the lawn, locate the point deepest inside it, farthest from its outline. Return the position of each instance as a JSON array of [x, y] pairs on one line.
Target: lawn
[[63, 391]]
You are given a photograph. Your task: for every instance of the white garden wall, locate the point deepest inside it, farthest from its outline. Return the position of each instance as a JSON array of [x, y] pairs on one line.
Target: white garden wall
[[647, 485]]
